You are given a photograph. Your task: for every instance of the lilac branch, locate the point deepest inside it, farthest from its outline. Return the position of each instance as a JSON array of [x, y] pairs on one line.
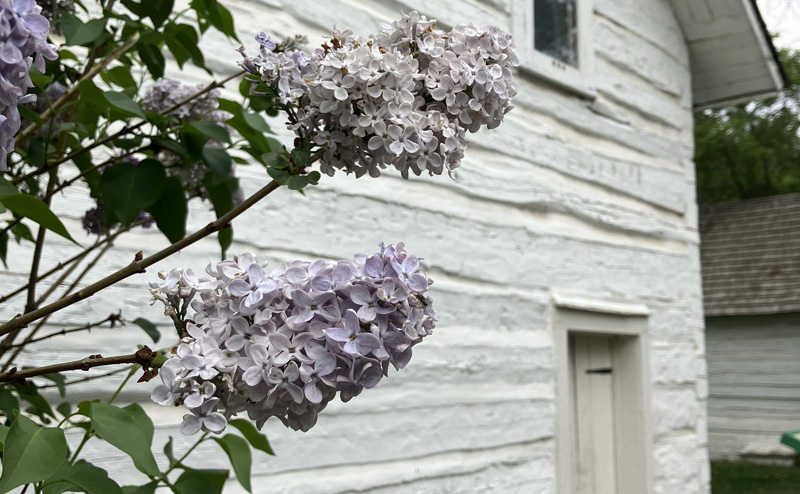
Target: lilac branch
[[138, 265], [143, 357]]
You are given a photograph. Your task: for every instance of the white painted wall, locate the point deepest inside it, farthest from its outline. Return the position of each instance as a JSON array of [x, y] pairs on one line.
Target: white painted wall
[[754, 391], [564, 195]]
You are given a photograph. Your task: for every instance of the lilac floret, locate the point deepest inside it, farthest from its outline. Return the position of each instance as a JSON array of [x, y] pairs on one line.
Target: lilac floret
[[330, 328]]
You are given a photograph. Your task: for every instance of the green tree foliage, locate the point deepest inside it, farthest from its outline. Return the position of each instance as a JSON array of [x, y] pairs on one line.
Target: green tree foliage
[[751, 150]]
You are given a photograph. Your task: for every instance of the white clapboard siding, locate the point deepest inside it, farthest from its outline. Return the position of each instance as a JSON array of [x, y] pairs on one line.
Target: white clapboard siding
[[754, 388], [568, 194]]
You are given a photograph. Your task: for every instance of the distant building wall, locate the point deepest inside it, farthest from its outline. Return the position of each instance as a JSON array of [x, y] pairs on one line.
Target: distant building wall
[[754, 388]]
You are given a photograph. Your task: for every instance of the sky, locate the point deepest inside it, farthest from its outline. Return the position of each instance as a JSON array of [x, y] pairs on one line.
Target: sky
[[782, 16]]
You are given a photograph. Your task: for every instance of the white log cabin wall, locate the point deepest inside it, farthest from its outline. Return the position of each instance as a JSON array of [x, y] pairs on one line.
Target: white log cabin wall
[[597, 198]]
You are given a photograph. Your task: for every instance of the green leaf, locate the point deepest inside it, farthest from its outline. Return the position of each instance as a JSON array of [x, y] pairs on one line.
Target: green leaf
[[84, 476], [208, 129], [135, 7], [129, 189], [241, 460], [149, 328], [225, 239], [30, 393], [124, 104], [140, 489], [60, 381], [221, 196], [64, 409], [85, 407], [257, 439], [31, 207], [31, 453], [8, 403], [280, 176], [173, 146], [219, 162], [21, 231], [130, 430], [255, 121], [77, 32], [297, 182], [313, 178], [169, 453], [159, 10], [3, 434], [170, 210], [121, 76], [7, 187], [300, 156], [183, 42], [194, 481], [152, 57]]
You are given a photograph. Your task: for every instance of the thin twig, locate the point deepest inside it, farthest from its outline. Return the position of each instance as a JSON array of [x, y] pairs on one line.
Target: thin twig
[[125, 131], [76, 258], [138, 265], [143, 357], [30, 304], [71, 93], [113, 318], [85, 379], [5, 345]]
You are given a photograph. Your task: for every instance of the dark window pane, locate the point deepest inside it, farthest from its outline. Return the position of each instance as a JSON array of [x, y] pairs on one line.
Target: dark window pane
[[556, 29]]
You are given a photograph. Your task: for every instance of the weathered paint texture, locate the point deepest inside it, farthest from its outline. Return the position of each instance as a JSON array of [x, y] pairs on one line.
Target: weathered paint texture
[[566, 194]]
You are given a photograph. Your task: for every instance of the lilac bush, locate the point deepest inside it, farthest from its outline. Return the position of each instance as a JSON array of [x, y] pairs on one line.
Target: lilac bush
[[23, 34], [283, 343], [404, 98]]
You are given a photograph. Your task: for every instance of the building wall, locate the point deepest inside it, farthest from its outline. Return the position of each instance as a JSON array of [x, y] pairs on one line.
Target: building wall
[[754, 392], [596, 198]]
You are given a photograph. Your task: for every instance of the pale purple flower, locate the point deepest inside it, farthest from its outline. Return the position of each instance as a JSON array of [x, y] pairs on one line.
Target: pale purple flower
[[356, 342], [204, 417], [407, 273], [256, 286], [302, 351]]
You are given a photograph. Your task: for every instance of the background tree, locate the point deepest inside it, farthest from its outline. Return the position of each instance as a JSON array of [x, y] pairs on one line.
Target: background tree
[[751, 150]]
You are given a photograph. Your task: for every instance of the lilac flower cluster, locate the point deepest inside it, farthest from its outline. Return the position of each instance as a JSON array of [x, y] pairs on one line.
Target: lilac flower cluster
[[163, 94], [283, 343], [405, 97], [23, 33]]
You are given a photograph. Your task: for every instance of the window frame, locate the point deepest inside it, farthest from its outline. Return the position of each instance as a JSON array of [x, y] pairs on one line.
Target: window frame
[[574, 79]]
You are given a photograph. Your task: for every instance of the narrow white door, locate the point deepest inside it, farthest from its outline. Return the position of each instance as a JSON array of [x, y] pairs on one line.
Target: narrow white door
[[593, 385]]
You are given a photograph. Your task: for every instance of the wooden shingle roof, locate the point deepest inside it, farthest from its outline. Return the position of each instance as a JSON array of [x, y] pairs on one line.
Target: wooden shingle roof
[[750, 256]]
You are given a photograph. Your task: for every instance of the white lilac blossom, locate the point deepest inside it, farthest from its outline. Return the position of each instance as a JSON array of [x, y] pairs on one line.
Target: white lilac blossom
[[283, 342], [23, 34], [403, 98]]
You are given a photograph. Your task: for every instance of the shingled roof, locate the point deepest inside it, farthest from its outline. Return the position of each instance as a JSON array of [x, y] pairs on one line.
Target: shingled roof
[[750, 255]]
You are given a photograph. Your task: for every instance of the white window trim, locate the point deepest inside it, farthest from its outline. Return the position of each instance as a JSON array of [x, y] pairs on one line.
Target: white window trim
[[572, 317], [574, 79]]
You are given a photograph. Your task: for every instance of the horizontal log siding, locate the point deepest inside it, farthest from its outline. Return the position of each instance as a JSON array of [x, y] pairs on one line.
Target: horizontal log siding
[[563, 195]]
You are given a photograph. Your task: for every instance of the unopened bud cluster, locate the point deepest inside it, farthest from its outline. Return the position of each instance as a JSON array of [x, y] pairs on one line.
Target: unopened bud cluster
[[404, 98], [284, 343]]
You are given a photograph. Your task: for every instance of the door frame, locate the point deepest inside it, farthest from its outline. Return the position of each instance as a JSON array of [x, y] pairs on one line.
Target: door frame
[[631, 366]]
